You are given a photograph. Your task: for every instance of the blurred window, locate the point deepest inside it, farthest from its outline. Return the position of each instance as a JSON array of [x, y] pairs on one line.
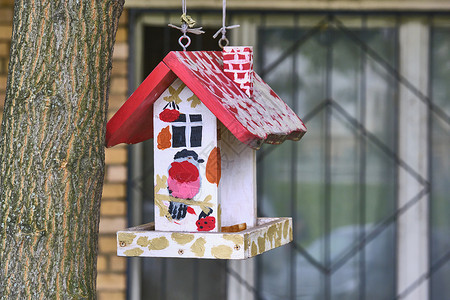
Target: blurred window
[[357, 195]]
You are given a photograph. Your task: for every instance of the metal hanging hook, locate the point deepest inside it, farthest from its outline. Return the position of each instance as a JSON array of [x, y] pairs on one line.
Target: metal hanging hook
[[185, 44], [187, 22], [223, 42]]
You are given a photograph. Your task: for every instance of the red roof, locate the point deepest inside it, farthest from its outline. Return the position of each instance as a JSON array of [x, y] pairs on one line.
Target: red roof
[[262, 118]]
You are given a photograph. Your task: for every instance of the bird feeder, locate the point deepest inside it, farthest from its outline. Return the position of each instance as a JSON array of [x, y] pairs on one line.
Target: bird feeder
[[207, 112]]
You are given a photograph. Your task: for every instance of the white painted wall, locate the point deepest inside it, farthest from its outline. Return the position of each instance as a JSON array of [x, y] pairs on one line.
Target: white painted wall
[[163, 159], [238, 184]]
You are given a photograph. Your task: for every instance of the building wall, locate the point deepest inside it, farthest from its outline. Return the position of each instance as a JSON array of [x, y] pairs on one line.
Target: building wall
[[111, 278], [412, 5]]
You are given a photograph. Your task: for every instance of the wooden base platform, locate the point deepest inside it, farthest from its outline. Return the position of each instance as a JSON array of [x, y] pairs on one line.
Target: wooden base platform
[[144, 241]]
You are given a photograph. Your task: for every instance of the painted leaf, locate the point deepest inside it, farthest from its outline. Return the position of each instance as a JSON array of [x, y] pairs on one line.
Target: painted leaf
[[191, 210], [164, 138], [213, 166], [195, 101], [175, 94]]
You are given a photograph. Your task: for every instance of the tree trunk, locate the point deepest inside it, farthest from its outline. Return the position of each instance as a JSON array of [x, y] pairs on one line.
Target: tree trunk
[[52, 147]]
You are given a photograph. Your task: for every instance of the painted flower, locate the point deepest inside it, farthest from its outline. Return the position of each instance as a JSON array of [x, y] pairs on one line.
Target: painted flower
[[169, 115], [206, 224]]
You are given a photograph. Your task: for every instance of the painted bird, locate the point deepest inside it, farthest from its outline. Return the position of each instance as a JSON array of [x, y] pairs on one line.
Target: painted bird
[[183, 181]]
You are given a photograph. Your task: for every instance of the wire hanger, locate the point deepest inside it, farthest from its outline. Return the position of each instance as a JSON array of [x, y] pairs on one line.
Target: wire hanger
[[223, 41], [187, 24]]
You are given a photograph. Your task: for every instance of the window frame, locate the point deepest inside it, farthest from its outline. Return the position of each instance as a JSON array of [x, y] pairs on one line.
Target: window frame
[[414, 34]]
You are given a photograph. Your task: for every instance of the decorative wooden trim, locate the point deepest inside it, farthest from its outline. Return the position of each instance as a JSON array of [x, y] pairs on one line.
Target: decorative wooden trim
[[144, 241]]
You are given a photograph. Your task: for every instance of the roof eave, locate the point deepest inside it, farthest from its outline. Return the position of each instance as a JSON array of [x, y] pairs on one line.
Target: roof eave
[[130, 124]]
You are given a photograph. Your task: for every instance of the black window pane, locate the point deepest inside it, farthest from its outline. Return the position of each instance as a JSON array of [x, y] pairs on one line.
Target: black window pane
[[179, 136], [196, 136], [195, 118], [181, 118]]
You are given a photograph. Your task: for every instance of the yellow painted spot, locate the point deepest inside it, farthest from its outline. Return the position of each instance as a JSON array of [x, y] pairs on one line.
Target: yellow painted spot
[[198, 247], [254, 249], [133, 252], [235, 238], [291, 236], [286, 229], [271, 233], [158, 243], [222, 251], [161, 183], [279, 235], [142, 241], [261, 244], [246, 242], [279, 230], [277, 242], [182, 238], [126, 237]]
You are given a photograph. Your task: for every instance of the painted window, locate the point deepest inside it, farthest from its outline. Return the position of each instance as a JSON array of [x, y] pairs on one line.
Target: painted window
[[187, 131]]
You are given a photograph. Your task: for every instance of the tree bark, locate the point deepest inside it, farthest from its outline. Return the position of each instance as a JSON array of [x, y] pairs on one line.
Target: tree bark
[[52, 147]]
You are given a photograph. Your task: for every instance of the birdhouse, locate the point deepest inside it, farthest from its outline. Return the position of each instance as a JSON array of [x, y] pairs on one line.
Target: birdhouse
[[208, 113]]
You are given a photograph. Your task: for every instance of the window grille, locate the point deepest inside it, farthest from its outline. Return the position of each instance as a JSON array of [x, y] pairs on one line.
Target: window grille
[[348, 184]]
